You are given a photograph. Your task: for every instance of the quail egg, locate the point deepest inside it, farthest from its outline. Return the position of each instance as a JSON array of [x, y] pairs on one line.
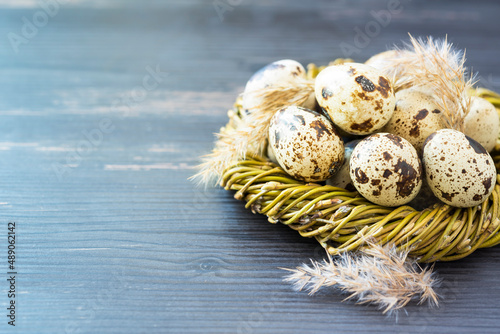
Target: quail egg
[[415, 117], [342, 178], [382, 60], [482, 123], [386, 170], [459, 171], [358, 98], [270, 153], [306, 144], [280, 72]]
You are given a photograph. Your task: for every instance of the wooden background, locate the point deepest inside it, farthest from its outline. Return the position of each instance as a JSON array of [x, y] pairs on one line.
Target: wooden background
[[111, 236]]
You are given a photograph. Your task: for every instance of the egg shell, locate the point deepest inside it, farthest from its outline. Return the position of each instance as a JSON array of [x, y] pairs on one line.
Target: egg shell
[[482, 123], [281, 72], [270, 153], [386, 62], [459, 171], [306, 144], [358, 98], [427, 89], [386, 170], [342, 178], [415, 117], [385, 59]]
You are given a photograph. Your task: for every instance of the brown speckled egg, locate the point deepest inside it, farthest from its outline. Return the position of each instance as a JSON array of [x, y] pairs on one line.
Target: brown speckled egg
[[386, 170], [358, 98], [306, 144], [382, 60], [458, 169], [482, 123], [427, 89], [281, 72], [270, 153], [415, 117], [342, 178]]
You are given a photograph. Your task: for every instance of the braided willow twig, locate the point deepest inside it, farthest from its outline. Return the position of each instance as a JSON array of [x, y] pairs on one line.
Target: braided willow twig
[[342, 221]]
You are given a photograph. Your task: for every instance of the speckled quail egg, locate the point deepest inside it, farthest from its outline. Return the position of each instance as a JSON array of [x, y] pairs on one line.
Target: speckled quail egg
[[427, 89], [270, 153], [382, 60], [387, 63], [482, 123], [342, 178], [306, 144], [459, 171], [281, 72], [358, 98], [415, 117], [386, 170]]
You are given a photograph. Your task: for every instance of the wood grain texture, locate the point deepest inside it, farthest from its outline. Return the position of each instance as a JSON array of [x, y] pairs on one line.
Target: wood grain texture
[[117, 240]]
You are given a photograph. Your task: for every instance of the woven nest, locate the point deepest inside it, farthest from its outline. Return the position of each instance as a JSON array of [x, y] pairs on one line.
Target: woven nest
[[342, 220]]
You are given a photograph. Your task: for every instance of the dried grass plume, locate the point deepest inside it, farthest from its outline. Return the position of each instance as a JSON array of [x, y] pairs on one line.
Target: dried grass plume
[[376, 275], [436, 66], [249, 136]]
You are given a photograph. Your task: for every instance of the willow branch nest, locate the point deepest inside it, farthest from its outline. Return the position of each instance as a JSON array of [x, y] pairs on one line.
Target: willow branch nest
[[342, 220]]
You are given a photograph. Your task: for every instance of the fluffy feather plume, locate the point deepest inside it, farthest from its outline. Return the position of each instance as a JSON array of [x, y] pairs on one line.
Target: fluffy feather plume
[[437, 66], [377, 275], [249, 136]]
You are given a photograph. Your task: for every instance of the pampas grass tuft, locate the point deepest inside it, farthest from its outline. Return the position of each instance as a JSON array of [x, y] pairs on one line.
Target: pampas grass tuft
[[436, 66], [376, 275], [250, 135]]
